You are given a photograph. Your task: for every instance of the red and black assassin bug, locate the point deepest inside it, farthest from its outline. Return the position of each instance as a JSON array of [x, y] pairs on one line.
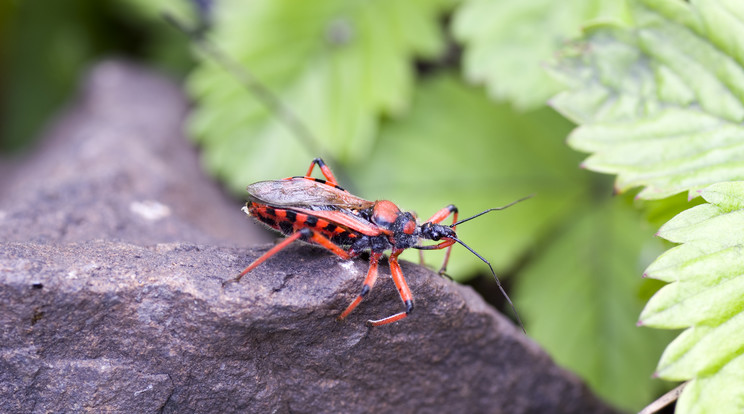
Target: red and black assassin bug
[[319, 211]]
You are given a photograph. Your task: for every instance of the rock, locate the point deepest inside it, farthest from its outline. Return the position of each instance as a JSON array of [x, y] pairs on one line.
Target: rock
[[107, 305], [115, 325], [117, 166]]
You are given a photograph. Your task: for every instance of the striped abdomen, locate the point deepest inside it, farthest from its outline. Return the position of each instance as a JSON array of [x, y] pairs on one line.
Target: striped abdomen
[[288, 221]]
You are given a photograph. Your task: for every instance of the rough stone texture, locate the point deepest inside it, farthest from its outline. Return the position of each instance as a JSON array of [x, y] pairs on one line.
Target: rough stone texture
[[103, 309]]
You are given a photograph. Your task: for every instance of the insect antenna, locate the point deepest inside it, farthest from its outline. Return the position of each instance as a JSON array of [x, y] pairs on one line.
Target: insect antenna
[[498, 283], [492, 209]]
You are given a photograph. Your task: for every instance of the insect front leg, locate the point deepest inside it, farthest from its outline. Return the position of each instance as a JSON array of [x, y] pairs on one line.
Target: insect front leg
[[403, 290], [438, 217]]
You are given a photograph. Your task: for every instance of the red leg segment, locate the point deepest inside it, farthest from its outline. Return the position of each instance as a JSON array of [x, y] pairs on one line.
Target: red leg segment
[[284, 243], [369, 282], [325, 242], [330, 179], [403, 290], [442, 214], [438, 217], [311, 235]]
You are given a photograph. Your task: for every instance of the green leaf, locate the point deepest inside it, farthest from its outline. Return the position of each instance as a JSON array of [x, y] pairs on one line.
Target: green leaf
[[658, 212], [153, 10], [338, 65], [40, 67], [705, 294], [507, 42], [720, 393], [579, 296], [163, 46], [458, 147], [660, 104]]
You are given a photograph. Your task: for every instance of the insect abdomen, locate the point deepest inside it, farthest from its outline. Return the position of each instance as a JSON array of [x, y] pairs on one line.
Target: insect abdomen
[[289, 221]]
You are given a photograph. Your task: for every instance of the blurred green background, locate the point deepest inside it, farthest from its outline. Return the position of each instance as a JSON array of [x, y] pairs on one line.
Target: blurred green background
[[425, 103]]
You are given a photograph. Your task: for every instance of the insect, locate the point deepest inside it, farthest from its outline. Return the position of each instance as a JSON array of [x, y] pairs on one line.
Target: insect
[[321, 212]]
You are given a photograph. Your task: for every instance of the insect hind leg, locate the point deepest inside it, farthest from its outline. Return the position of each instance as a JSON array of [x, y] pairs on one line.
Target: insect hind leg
[[303, 234], [324, 169], [274, 250]]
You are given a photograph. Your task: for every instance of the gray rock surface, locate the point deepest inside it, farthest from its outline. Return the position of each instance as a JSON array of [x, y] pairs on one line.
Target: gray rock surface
[[113, 248]]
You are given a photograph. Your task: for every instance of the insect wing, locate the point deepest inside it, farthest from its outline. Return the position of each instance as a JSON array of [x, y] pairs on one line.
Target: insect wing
[[301, 192]]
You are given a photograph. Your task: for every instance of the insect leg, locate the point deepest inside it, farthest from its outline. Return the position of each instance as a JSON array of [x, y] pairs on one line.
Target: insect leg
[[439, 246], [284, 243], [369, 282], [325, 242], [306, 234], [330, 179], [446, 244], [442, 214], [422, 262], [437, 218], [403, 290]]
